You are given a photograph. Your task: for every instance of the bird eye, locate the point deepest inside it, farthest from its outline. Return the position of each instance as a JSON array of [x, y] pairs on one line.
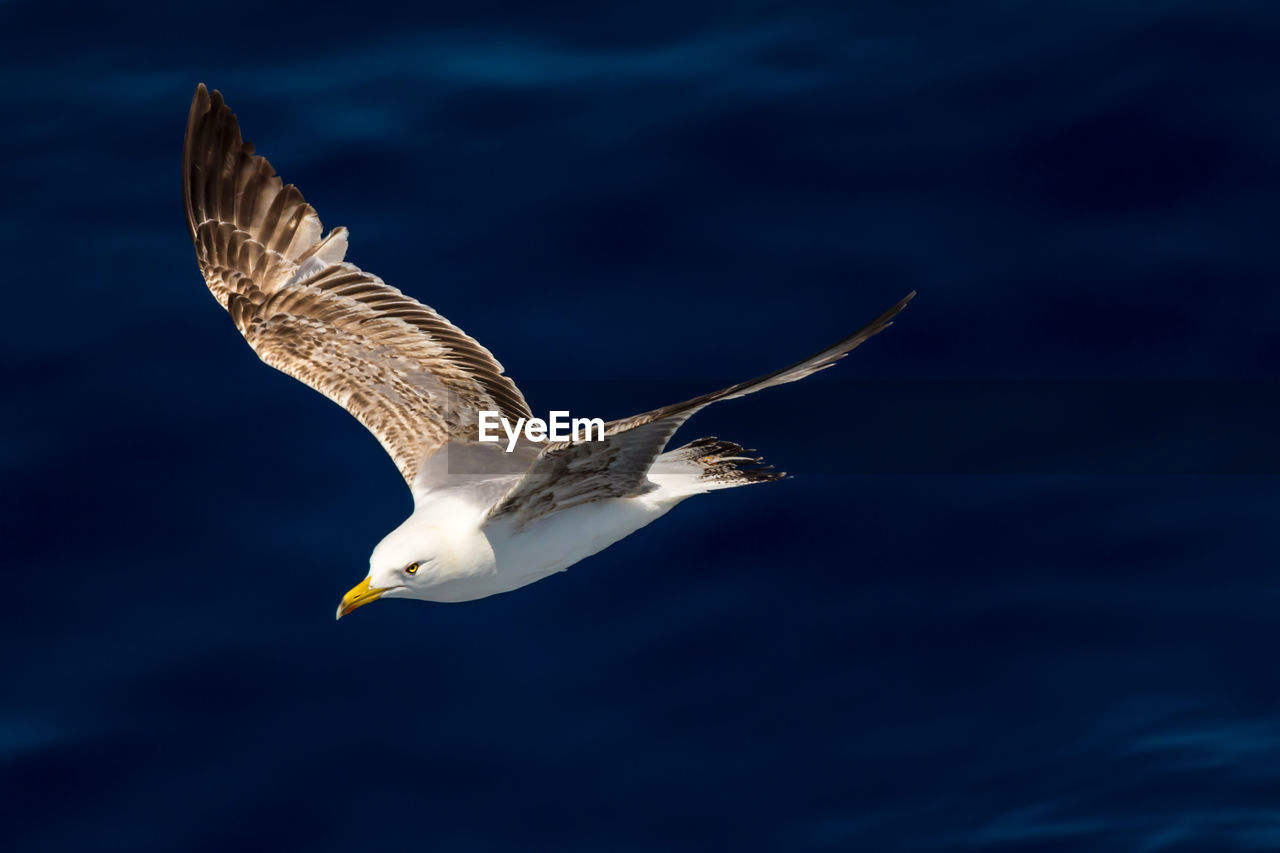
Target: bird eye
[[411, 568]]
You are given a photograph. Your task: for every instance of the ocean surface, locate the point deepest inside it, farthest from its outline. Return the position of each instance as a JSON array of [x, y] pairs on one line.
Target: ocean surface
[[1020, 595]]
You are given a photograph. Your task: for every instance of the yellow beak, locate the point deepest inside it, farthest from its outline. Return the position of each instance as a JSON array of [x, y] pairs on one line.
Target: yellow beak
[[359, 596]]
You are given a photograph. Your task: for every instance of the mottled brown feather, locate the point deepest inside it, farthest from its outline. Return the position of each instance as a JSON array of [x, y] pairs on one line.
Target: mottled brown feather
[[568, 474], [409, 375]]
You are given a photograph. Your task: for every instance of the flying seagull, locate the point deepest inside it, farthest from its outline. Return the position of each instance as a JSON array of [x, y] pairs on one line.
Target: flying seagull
[[485, 519]]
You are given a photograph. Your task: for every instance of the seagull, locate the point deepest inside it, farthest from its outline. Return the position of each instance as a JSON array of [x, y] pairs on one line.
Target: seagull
[[485, 519]]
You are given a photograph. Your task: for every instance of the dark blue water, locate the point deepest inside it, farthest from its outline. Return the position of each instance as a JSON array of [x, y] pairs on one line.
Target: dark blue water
[[949, 643]]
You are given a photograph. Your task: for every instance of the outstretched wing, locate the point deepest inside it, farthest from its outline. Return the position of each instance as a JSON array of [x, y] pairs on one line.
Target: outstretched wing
[[567, 474], [408, 374]]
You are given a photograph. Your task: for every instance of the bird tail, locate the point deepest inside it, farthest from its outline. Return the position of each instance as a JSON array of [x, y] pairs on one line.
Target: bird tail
[[707, 464]]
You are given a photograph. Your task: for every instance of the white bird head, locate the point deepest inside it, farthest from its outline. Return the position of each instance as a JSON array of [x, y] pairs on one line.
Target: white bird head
[[420, 557]]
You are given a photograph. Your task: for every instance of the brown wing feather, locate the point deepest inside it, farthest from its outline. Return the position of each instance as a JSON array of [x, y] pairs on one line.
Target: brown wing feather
[[408, 374], [567, 474]]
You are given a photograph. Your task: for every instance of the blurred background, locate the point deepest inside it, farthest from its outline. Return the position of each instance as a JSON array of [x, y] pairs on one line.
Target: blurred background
[[1020, 594]]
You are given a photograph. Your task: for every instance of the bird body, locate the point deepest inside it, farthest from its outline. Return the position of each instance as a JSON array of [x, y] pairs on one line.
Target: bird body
[[501, 556], [486, 519]]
